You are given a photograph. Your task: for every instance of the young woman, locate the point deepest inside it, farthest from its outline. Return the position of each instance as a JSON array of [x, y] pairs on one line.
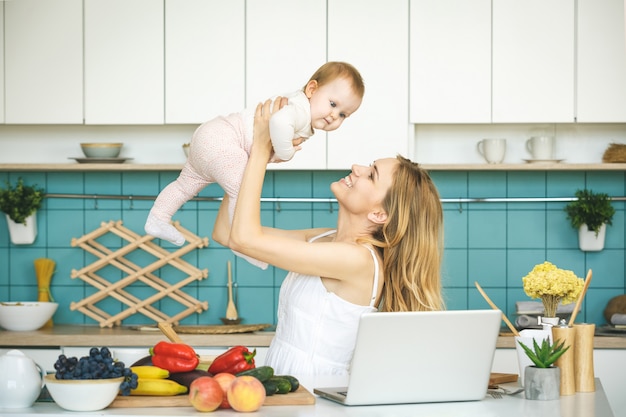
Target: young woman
[[385, 253]]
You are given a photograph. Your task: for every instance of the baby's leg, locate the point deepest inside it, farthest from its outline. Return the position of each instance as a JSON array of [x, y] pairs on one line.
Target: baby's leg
[[169, 201]]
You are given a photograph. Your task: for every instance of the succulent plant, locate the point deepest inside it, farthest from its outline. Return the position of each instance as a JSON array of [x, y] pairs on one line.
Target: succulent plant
[[545, 355]]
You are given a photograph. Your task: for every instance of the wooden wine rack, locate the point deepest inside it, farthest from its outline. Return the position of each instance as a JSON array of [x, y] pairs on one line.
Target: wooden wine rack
[[132, 273]]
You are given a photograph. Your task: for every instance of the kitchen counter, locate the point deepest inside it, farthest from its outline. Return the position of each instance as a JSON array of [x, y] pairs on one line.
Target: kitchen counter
[[87, 336], [582, 404]]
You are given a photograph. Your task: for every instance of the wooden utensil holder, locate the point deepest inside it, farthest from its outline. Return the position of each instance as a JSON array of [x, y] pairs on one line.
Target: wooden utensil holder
[[132, 273]]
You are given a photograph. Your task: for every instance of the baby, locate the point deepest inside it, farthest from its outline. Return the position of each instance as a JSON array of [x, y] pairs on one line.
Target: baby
[[219, 148]]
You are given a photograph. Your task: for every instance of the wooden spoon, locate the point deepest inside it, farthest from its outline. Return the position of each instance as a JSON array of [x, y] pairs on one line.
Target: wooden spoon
[[495, 307], [231, 310], [580, 299], [168, 331]]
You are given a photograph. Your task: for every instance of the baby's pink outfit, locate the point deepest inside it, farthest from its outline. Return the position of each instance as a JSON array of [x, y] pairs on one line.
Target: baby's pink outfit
[[218, 153]]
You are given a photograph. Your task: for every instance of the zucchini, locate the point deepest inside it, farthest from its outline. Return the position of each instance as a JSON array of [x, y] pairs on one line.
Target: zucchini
[[295, 384], [283, 384], [262, 373], [271, 387]]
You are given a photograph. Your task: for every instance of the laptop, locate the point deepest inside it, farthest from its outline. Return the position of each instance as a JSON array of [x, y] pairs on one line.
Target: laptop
[[420, 357]]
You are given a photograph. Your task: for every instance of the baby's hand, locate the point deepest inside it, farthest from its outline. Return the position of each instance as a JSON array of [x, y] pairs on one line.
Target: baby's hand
[[296, 146], [298, 141]]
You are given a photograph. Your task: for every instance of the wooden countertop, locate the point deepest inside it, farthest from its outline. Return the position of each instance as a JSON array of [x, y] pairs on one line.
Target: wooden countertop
[[76, 335], [87, 336]]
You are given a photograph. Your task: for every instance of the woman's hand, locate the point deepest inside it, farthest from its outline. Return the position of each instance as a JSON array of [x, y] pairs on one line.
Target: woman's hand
[[262, 116]]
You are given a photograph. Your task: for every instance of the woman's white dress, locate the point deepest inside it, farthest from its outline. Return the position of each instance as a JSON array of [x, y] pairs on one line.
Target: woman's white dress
[[316, 330]]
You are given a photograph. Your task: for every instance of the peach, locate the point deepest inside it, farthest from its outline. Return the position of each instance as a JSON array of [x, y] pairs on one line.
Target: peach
[[205, 394], [246, 393], [224, 379]]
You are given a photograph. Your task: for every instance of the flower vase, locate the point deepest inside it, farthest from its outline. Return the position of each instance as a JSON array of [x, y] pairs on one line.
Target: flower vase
[[588, 241], [549, 322], [542, 383], [23, 234]]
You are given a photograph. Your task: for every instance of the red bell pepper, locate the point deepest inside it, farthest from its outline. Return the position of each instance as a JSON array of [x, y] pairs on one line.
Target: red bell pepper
[[175, 357], [234, 360]]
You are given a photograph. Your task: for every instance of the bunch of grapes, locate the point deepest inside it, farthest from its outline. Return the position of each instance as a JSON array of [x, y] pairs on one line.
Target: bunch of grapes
[[98, 365]]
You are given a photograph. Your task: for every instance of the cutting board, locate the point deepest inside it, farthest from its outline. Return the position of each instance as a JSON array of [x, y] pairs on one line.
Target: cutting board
[[300, 397], [498, 378]]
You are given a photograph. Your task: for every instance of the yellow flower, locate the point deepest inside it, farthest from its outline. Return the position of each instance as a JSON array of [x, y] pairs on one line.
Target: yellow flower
[[552, 285]]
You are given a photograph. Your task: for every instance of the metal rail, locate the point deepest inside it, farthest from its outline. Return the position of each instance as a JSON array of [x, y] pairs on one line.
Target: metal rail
[[327, 200]]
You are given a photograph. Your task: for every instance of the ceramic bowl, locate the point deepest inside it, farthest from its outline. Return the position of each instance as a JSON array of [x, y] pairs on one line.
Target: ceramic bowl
[[83, 394], [230, 321], [24, 316], [101, 150]]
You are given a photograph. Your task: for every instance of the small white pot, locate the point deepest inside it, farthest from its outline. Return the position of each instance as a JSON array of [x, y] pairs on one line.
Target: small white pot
[[588, 241], [23, 234]]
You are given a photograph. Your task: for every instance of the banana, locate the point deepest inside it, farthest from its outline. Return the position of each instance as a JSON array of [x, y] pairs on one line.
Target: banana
[[160, 387], [150, 372]]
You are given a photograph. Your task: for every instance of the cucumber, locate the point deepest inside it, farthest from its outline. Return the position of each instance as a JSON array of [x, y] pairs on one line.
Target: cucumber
[[271, 387], [262, 373], [295, 384], [283, 384]]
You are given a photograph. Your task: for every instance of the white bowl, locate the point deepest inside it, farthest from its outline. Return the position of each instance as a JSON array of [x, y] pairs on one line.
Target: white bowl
[[83, 394], [24, 316], [101, 150]]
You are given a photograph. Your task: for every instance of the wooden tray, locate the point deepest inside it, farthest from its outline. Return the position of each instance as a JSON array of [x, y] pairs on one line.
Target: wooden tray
[[300, 397], [221, 328]]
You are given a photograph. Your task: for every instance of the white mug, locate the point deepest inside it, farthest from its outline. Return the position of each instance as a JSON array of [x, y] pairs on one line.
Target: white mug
[[492, 150], [541, 147], [527, 336]]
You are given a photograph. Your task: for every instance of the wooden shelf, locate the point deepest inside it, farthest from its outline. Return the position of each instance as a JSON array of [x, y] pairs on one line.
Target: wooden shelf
[[33, 167], [525, 167], [91, 167]]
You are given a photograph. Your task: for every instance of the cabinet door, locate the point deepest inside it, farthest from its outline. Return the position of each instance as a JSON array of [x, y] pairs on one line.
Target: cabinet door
[[285, 44], [124, 62], [450, 61], [204, 59], [601, 61], [533, 61], [372, 36], [43, 61], [1, 64]]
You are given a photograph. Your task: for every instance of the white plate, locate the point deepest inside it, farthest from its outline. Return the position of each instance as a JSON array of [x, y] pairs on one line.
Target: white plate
[[544, 161], [101, 160]]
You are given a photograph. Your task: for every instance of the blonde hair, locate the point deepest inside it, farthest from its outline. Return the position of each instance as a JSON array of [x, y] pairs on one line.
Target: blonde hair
[[332, 70], [411, 241]]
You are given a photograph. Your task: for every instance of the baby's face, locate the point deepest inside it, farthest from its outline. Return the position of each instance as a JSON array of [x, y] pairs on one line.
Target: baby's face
[[332, 103]]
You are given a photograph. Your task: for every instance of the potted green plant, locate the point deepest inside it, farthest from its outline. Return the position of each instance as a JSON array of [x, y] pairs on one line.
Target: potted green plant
[[20, 204], [590, 213], [542, 381]]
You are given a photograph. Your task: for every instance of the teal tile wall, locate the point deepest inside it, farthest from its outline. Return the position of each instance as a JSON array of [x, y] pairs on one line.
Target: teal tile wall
[[494, 244]]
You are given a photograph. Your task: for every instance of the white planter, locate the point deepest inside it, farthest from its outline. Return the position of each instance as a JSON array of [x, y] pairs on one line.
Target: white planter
[[23, 234], [588, 241]]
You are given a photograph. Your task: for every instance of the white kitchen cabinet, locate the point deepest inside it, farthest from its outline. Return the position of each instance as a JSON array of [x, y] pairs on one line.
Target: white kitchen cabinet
[[204, 59], [450, 61], [533, 61], [124, 55], [1, 64], [601, 61], [44, 357], [43, 61], [372, 36], [285, 44]]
